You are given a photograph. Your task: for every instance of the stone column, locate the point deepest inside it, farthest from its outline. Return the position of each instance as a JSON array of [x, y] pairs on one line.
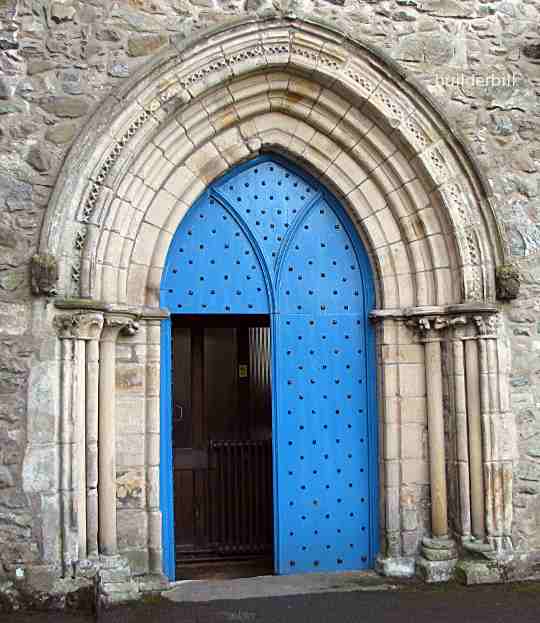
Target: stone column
[[496, 480], [488, 500], [391, 560], [108, 545], [78, 447], [439, 555], [87, 327], [90, 330], [437, 453], [74, 331], [475, 439], [64, 327], [462, 436]]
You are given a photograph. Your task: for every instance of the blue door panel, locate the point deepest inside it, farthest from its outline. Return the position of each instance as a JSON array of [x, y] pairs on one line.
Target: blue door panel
[[321, 430], [320, 271], [269, 239], [269, 197], [212, 266]]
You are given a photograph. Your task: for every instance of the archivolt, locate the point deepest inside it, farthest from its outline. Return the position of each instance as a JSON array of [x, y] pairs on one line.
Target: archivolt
[[325, 101]]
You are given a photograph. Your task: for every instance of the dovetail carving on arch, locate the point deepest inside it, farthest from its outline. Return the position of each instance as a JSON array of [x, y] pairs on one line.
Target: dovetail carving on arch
[[369, 85]]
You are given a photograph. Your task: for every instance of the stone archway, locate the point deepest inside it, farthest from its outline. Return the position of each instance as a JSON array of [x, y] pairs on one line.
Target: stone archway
[[410, 187]]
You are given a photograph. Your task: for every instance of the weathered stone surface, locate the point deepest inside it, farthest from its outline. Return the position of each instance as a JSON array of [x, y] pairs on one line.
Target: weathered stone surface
[[65, 106], [142, 45], [62, 133], [62, 12], [118, 70], [42, 400], [449, 8], [13, 318], [7, 108], [38, 66], [38, 158], [11, 280], [532, 51], [433, 572], [396, 567], [5, 89], [44, 274], [39, 473], [6, 477], [130, 489], [471, 572], [508, 282], [71, 81]]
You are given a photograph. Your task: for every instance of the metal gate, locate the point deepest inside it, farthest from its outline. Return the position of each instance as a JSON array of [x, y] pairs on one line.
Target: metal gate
[[269, 239]]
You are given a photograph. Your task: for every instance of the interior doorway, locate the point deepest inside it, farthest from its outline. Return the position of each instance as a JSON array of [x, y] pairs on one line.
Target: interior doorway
[[222, 445]]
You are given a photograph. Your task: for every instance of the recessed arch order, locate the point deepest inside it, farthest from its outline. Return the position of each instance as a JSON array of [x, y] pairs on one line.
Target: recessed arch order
[[328, 102], [358, 124]]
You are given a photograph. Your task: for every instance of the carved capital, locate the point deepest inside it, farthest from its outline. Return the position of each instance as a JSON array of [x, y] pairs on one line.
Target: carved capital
[[78, 326], [89, 326], [132, 328], [486, 325], [117, 323], [431, 327], [65, 325], [428, 326], [459, 324]]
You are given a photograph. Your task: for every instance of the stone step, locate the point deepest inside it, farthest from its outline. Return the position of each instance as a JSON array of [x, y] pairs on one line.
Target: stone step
[[122, 574]]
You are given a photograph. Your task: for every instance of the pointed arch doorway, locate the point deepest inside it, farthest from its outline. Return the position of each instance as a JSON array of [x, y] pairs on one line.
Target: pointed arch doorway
[[269, 253]]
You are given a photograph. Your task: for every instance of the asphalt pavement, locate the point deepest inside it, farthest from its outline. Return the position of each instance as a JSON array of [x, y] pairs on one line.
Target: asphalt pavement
[[410, 603]]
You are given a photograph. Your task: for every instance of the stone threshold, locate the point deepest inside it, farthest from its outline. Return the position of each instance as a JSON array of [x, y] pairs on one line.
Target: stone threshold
[[277, 586]]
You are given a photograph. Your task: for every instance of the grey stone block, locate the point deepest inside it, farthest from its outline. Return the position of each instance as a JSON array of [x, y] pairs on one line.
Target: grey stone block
[[395, 567], [433, 571], [477, 572]]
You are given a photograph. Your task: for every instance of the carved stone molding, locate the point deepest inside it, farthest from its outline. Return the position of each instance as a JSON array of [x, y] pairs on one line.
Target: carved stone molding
[[124, 325], [507, 282], [44, 273], [429, 326], [486, 325]]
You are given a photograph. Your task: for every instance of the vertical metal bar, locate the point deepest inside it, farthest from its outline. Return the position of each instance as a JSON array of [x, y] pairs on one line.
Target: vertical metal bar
[[243, 501], [236, 491], [221, 495], [228, 501]]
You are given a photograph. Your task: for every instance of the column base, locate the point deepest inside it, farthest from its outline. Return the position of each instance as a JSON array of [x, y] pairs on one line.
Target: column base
[[153, 583], [401, 567], [86, 568], [479, 550], [471, 572], [482, 564], [438, 560], [434, 571], [114, 583]]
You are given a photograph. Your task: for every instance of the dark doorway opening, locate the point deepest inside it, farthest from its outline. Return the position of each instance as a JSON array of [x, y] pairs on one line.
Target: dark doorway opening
[[222, 445]]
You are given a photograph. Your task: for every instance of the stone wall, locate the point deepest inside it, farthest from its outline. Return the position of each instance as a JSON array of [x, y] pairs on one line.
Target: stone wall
[[58, 60]]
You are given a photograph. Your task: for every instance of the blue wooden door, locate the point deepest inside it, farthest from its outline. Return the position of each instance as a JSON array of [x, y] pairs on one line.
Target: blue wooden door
[[269, 239]]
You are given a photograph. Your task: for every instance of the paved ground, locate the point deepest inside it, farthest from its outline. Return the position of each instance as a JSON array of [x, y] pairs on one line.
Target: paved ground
[[412, 603]]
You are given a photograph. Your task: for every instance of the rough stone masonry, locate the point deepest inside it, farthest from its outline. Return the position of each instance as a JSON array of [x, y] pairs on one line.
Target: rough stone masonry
[[59, 60]]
